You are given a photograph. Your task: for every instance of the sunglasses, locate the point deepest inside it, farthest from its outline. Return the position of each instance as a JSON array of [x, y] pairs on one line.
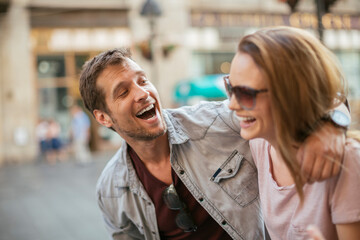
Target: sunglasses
[[245, 96], [183, 219]]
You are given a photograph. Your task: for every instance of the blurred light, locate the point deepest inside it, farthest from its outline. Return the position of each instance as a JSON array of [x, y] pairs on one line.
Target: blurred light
[[192, 39], [330, 39], [355, 37], [344, 39], [210, 37], [99, 38], [60, 39], [225, 67], [44, 67], [121, 37], [203, 38], [21, 136], [80, 39], [86, 39]]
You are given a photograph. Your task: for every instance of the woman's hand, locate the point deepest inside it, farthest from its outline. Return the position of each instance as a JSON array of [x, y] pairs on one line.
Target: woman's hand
[[321, 154], [314, 233]]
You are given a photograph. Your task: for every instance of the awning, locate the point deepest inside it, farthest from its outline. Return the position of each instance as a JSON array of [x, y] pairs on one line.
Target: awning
[[193, 90]]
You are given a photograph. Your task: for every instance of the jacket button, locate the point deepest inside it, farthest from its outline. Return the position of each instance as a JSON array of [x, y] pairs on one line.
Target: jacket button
[[182, 172], [223, 222], [201, 199], [230, 170]]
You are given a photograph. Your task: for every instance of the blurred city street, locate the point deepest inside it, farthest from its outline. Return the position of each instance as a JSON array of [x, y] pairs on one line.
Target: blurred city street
[[184, 47], [41, 201]]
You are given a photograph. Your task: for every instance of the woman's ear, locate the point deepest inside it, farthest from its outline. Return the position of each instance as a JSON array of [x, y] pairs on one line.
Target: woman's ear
[[103, 118]]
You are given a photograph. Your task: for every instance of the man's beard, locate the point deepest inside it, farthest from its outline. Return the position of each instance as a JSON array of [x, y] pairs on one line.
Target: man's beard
[[142, 135], [139, 134]]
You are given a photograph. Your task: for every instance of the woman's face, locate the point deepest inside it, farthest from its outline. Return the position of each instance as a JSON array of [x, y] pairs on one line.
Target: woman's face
[[256, 122]]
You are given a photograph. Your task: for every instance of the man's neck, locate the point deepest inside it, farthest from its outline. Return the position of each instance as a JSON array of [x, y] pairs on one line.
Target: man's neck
[[153, 151], [155, 154]]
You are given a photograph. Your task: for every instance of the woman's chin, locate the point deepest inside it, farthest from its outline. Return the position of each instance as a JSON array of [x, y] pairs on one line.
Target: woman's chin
[[247, 135]]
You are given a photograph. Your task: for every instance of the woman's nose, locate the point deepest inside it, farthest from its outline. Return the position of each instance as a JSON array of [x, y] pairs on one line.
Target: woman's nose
[[233, 103]]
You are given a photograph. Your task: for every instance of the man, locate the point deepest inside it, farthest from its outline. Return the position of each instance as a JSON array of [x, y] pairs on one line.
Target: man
[[180, 174]]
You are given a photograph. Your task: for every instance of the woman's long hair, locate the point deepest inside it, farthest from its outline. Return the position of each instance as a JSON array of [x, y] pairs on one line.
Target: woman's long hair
[[303, 78]]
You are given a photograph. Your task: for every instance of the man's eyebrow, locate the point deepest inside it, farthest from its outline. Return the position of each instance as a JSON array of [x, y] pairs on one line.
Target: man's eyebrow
[[140, 72]]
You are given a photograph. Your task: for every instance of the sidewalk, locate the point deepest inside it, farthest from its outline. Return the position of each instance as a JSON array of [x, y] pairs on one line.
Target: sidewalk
[[42, 202]]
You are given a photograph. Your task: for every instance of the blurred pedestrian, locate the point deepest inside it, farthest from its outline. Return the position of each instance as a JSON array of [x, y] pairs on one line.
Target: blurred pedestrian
[[80, 132], [41, 135], [53, 142]]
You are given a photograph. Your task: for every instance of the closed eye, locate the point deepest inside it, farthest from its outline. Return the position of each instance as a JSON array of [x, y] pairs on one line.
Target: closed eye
[[123, 93]]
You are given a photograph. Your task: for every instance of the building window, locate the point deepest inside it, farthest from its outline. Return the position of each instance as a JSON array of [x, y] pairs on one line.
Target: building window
[[51, 66]]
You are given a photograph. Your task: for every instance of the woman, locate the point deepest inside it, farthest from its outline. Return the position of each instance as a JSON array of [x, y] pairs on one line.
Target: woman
[[288, 68]]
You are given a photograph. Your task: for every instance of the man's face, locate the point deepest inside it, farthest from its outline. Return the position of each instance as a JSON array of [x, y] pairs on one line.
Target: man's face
[[133, 103]]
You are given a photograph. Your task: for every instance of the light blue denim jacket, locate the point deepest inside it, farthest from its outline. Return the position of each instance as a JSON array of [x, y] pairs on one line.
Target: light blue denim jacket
[[202, 138]]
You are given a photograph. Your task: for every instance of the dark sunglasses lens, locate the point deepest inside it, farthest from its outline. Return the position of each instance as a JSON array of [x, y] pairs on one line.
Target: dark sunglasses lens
[[171, 199], [184, 221], [244, 96]]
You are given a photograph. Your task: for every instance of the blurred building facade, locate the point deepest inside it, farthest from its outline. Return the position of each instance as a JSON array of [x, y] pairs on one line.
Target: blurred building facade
[[44, 43]]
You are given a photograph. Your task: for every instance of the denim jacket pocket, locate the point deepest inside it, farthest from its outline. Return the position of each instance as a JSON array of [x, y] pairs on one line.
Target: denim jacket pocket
[[238, 178]]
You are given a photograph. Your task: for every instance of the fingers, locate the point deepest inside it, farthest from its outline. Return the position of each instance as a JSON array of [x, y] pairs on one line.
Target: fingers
[[333, 161], [318, 169], [314, 233], [338, 160], [320, 156], [327, 169], [306, 159], [336, 167]]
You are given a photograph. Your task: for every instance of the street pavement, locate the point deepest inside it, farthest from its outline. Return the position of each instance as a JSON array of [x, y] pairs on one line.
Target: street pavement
[[51, 202]]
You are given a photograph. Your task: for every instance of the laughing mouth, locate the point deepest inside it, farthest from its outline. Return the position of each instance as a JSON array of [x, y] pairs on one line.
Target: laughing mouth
[[147, 113], [246, 119]]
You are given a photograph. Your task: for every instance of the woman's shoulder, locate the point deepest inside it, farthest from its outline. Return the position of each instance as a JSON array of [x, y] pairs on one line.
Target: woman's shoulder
[[345, 202], [351, 162], [259, 143]]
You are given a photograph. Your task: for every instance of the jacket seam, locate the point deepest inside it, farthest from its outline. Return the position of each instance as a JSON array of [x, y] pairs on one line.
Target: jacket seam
[[222, 119]]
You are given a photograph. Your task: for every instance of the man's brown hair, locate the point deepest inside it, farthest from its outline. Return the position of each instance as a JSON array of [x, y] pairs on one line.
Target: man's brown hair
[[93, 97]]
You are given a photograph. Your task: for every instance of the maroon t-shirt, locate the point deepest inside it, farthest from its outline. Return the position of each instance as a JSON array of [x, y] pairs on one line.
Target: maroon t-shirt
[[207, 227]]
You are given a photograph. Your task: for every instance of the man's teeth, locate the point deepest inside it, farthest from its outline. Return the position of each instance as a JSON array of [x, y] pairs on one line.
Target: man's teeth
[[145, 109], [246, 119]]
